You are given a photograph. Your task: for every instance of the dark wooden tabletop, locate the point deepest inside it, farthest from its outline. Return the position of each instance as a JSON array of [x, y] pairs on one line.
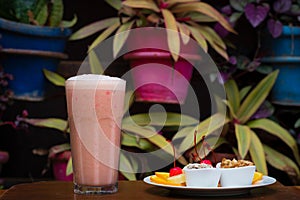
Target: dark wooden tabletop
[[49, 190]]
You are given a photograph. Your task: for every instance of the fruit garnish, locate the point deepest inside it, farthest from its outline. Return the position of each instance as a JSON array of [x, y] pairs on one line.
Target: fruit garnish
[[206, 162], [257, 177], [178, 179], [175, 171], [163, 175], [159, 180]]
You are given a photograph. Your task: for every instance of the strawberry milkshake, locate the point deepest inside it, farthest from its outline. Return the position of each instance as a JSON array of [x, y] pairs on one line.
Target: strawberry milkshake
[[95, 109]]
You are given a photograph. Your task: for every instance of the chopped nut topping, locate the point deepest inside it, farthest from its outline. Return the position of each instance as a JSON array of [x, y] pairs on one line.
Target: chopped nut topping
[[198, 166], [227, 163]]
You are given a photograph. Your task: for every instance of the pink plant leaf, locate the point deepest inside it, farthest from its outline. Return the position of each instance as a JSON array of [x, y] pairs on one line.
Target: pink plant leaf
[[256, 14], [274, 27]]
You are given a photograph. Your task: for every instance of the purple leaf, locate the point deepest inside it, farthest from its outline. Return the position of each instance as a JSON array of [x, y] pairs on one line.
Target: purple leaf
[[226, 10], [274, 27], [282, 6], [222, 32], [256, 14], [264, 111], [232, 60]]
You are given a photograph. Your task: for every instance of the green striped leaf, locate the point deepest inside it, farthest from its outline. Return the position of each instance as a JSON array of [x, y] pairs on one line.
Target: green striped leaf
[[104, 35], [126, 167], [198, 37], [205, 9], [133, 141], [243, 92], [121, 36], [54, 123], [69, 169], [95, 64], [233, 95], [257, 154], [243, 136], [161, 119], [54, 78], [184, 32], [207, 127], [281, 162], [116, 4], [256, 97], [172, 33], [213, 39], [278, 131], [93, 28], [147, 4]]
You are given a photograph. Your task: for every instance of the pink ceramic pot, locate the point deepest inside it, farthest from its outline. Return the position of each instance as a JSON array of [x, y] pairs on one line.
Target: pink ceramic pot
[[59, 165], [155, 75]]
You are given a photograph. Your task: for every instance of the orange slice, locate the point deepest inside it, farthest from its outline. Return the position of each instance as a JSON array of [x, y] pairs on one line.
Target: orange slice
[[257, 177], [163, 175], [156, 179], [178, 179]]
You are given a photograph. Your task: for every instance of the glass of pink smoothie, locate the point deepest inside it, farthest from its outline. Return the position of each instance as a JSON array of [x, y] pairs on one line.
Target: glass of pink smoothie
[[95, 108]]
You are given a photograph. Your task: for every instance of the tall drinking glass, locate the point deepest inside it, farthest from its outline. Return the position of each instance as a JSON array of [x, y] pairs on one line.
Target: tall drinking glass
[[95, 108]]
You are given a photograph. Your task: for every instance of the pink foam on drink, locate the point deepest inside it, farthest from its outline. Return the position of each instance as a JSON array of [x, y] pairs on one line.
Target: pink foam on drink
[[95, 109]]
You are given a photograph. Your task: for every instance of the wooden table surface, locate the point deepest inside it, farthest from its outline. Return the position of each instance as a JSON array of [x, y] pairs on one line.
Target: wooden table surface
[[50, 190]]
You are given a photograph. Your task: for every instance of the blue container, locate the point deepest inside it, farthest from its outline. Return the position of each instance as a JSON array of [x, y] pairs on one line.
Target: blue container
[[286, 90], [25, 36], [25, 51], [287, 44]]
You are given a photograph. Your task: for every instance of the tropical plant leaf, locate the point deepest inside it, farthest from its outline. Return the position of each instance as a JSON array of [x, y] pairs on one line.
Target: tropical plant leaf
[[95, 64], [256, 97], [233, 95], [58, 149], [161, 119], [243, 92], [213, 39], [68, 24], [243, 136], [179, 1], [121, 37], [147, 4], [69, 169], [207, 127], [172, 33], [205, 9], [184, 32], [198, 37], [116, 4], [104, 35], [257, 154], [281, 162], [149, 134], [94, 28], [126, 167], [54, 78], [231, 110], [129, 99], [297, 123], [134, 141], [278, 131], [199, 17], [54, 123], [56, 13]]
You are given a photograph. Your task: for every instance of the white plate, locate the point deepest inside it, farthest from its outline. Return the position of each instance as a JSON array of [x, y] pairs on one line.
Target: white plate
[[214, 191]]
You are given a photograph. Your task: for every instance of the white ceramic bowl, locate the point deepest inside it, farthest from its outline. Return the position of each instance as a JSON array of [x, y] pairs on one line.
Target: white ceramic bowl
[[204, 177], [234, 177]]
